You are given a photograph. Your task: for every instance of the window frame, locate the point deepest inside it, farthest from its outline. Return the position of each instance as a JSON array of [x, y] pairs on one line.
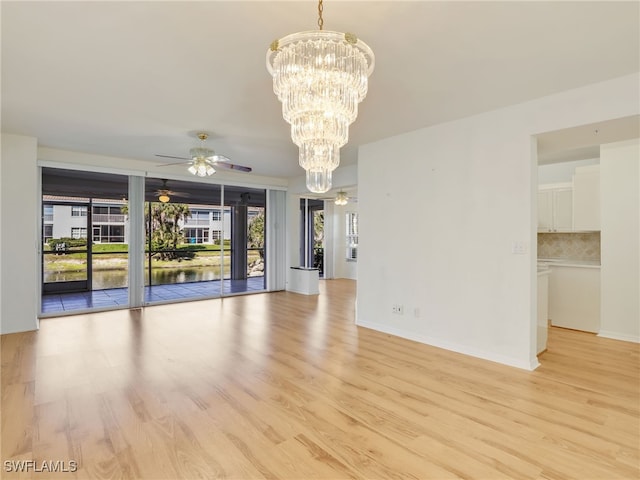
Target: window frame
[[351, 237]]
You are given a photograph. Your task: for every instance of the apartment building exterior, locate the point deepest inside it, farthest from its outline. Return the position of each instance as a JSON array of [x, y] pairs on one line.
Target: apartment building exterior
[[65, 217]]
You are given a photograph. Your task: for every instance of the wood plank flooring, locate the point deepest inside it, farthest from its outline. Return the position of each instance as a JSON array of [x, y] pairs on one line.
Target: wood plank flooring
[[281, 385]]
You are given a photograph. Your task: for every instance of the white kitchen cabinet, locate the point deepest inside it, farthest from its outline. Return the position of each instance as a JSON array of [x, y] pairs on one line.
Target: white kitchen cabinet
[[574, 297], [586, 198], [555, 208]]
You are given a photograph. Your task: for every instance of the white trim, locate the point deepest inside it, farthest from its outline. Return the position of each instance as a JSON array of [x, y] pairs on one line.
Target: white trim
[[89, 168], [275, 240], [136, 241], [454, 347], [624, 337]]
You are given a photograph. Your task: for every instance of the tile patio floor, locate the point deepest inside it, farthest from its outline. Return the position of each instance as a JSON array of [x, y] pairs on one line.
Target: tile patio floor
[[118, 297]]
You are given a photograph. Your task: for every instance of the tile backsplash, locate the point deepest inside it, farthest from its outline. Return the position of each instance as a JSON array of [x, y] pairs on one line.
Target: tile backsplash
[[573, 246]]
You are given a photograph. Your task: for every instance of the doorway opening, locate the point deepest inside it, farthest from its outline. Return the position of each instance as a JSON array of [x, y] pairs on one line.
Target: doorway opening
[[312, 234]]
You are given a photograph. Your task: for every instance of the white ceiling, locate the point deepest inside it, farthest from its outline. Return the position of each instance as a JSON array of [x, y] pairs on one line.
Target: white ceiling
[[134, 79]]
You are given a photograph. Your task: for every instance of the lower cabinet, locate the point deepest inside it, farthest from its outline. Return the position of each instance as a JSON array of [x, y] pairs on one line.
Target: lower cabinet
[[574, 298]]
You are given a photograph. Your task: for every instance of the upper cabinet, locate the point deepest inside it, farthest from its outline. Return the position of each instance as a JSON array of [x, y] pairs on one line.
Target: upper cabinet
[[571, 206], [586, 198], [555, 208]]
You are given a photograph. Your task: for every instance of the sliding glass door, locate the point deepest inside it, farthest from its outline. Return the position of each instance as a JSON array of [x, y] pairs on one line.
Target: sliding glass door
[[202, 240], [84, 240]]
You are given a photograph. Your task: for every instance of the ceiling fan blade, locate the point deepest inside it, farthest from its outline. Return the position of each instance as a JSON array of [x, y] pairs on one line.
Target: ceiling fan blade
[[169, 164], [220, 159], [232, 166], [172, 156]]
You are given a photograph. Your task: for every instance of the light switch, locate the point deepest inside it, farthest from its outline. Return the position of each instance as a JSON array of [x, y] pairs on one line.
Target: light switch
[[519, 248]]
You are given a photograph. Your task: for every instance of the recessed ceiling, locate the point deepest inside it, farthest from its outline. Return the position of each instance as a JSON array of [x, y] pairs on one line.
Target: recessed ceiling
[[135, 79]]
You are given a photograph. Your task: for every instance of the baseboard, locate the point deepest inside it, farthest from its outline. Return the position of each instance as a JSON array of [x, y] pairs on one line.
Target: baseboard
[[625, 337], [9, 331], [453, 347]]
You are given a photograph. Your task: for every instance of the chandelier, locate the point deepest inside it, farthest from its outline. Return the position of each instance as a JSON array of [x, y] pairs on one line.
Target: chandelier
[[320, 77], [341, 198]]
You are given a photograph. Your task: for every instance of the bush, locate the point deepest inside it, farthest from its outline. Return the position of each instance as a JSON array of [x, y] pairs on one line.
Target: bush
[[65, 243]]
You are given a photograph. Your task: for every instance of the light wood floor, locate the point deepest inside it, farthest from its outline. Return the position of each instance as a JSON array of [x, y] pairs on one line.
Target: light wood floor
[[286, 386]]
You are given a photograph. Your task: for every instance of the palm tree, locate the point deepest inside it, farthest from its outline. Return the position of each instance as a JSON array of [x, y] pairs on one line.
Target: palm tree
[[255, 235], [166, 232]]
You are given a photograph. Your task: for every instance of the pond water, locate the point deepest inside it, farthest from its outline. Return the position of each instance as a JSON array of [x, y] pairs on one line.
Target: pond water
[[103, 279]]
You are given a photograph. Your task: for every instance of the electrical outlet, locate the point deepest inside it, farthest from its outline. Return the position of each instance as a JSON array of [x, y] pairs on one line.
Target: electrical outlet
[[397, 309]]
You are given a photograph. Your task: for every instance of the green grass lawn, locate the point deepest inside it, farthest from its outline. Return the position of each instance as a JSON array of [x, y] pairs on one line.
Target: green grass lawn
[[114, 257]]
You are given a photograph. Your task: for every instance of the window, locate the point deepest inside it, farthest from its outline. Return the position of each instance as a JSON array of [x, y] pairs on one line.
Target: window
[[216, 215], [48, 213], [196, 235], [79, 232], [79, 211], [108, 233], [216, 234], [100, 210], [352, 236], [198, 217], [107, 214], [47, 232]]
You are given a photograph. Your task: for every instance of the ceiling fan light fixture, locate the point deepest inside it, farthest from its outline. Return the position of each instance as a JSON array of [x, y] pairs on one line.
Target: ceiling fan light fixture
[[163, 198], [201, 152], [320, 77], [201, 167], [341, 198], [202, 158]]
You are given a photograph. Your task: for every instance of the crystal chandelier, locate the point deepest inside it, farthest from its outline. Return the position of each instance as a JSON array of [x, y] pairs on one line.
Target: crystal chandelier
[[341, 198], [320, 77]]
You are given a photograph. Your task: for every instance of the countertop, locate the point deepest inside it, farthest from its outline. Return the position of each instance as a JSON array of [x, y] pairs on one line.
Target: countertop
[[567, 262]]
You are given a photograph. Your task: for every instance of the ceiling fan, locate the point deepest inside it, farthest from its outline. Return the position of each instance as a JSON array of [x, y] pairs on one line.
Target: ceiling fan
[[203, 160], [164, 194]]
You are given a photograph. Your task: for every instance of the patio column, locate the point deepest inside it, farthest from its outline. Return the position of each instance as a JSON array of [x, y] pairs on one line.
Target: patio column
[[239, 240], [136, 241]]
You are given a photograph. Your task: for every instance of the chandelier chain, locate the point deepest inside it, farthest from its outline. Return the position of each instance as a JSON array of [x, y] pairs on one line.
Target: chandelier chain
[[320, 20]]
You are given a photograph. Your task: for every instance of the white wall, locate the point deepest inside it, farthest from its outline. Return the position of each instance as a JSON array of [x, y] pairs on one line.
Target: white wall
[[20, 219], [620, 240], [462, 193], [561, 172]]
